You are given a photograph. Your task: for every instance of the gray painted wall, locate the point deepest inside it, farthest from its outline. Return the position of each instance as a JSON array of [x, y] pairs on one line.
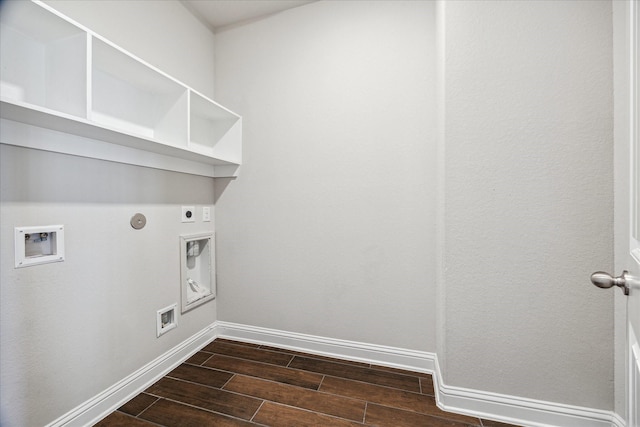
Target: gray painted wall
[[70, 330], [332, 227], [329, 229], [528, 199]]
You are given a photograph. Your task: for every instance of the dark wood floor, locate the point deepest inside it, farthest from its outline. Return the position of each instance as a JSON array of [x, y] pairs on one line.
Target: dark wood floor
[[230, 383]]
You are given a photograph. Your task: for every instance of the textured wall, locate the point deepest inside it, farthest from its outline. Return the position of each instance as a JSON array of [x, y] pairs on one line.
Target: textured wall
[[70, 330], [528, 199], [329, 229]]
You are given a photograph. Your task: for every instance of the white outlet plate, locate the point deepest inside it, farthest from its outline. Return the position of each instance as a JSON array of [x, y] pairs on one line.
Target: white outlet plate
[[206, 214], [188, 214]]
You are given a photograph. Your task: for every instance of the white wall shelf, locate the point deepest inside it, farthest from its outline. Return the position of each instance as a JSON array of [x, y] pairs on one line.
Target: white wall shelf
[[61, 77]]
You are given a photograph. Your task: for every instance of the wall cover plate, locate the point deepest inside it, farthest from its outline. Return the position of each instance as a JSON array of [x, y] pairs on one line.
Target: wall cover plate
[[138, 221]]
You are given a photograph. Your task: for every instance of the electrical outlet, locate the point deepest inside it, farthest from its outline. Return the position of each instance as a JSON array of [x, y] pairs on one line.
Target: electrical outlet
[[188, 214], [166, 319], [206, 214]]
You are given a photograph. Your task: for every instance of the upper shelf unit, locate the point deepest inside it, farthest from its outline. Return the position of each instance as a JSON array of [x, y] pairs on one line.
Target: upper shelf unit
[[57, 75]]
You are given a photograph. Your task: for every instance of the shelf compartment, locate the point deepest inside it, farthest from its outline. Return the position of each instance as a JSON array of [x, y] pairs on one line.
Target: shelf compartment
[[214, 130], [66, 124], [66, 89], [43, 59], [131, 97]]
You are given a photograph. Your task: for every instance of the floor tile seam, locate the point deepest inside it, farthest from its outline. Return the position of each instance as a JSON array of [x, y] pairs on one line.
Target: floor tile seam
[[395, 371], [143, 409], [198, 366], [213, 388], [237, 342], [217, 369], [370, 383], [315, 412], [344, 362], [367, 402], [290, 360], [430, 392], [228, 381], [430, 415], [338, 376], [158, 398], [141, 419], [357, 364], [210, 353], [257, 410], [247, 359], [275, 402], [146, 407], [202, 409], [205, 361], [267, 364], [263, 350], [266, 350], [347, 363], [252, 360], [195, 382], [306, 370], [324, 393]]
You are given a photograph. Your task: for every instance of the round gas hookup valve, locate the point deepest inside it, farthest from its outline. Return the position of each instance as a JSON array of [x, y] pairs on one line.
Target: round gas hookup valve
[[138, 221]]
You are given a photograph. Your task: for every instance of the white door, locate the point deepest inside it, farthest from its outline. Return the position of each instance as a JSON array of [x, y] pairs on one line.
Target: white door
[[627, 189], [633, 255]]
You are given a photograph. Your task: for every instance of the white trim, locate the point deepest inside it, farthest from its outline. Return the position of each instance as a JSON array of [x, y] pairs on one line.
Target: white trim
[[419, 361], [39, 138], [618, 421], [96, 408], [518, 410], [475, 403]]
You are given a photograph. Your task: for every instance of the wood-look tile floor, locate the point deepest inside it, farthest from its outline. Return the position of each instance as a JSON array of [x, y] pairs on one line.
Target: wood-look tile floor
[[230, 383]]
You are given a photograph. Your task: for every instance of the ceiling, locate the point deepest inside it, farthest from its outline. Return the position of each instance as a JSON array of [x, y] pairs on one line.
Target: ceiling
[[217, 14]]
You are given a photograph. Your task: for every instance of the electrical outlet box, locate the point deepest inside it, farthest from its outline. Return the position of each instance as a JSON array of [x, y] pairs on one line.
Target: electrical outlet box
[[188, 214], [166, 319], [206, 214], [38, 245]]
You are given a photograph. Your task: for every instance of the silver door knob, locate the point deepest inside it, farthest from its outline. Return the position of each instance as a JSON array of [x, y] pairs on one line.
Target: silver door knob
[[606, 281]]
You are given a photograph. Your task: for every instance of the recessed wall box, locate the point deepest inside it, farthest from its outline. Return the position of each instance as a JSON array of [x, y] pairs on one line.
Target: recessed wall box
[[197, 270], [38, 245], [188, 214], [166, 319]]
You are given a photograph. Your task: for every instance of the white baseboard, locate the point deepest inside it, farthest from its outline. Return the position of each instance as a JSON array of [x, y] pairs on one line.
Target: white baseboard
[[475, 403], [93, 410], [517, 410], [349, 350]]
